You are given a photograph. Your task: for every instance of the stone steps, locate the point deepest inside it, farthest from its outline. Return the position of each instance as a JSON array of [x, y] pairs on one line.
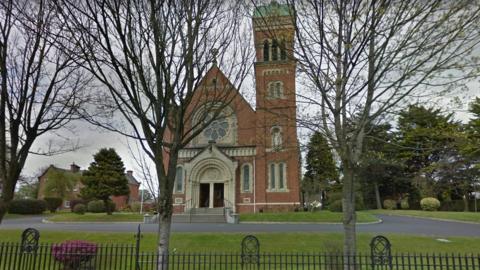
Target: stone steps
[[207, 211], [201, 215]]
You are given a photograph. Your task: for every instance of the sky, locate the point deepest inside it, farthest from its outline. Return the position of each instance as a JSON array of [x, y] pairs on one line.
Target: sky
[[91, 139]]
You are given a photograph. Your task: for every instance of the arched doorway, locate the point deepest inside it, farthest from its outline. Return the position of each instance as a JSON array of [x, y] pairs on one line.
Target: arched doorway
[[212, 183]]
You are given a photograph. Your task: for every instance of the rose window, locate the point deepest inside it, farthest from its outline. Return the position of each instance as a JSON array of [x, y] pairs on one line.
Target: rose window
[[217, 129]]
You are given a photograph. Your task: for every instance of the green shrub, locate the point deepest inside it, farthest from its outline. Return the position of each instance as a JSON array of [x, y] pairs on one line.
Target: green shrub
[[404, 204], [27, 207], [335, 206], [113, 206], [430, 204], [53, 203], [79, 208], [75, 202], [337, 196], [135, 206], [96, 206], [390, 204]]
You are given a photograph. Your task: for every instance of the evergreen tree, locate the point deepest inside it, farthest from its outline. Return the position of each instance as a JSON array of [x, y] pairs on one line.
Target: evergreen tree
[[424, 133], [381, 174], [321, 169], [472, 147], [439, 151], [105, 177]]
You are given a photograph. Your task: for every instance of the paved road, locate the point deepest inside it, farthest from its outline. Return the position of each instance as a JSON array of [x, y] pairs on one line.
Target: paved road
[[390, 224]]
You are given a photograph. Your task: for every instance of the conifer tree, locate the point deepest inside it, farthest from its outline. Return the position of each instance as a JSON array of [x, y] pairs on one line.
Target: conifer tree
[[105, 177], [320, 166]]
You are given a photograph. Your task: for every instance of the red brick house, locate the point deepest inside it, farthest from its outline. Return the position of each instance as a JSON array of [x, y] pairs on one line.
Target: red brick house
[[248, 159], [74, 172]]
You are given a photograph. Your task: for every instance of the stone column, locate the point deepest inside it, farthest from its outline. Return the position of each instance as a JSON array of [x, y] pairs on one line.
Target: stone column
[[211, 196]]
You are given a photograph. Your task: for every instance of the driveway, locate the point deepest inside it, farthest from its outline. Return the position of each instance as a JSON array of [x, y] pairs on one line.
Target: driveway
[[390, 224]]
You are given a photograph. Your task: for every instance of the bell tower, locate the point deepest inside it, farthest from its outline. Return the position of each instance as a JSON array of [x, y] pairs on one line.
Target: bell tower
[[275, 68]]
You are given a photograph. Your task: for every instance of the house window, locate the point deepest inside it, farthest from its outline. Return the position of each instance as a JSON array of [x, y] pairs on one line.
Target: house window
[[278, 176], [266, 51], [66, 204], [179, 177], [276, 138], [246, 178]]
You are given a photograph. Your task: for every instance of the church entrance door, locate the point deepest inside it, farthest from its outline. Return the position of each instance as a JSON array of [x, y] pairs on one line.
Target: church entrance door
[[204, 195], [218, 195]]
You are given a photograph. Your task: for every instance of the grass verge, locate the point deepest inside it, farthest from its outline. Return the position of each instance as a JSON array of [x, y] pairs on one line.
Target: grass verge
[[96, 217], [15, 216], [323, 216], [456, 216], [269, 242]]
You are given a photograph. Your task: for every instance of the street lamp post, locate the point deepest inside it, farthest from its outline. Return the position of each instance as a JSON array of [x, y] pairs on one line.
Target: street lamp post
[[141, 201]]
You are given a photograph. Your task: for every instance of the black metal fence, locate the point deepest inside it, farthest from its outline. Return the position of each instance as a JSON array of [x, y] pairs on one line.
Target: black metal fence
[[80, 255], [123, 257]]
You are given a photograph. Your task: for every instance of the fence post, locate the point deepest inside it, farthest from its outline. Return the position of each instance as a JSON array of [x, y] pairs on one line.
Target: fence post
[[381, 252], [250, 251], [29, 246], [138, 237]]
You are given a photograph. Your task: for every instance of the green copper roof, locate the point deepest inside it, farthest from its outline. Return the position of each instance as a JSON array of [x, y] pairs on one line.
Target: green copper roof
[[273, 9]]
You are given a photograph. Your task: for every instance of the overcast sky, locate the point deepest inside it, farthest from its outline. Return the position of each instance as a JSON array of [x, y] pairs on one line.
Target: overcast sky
[[91, 139]]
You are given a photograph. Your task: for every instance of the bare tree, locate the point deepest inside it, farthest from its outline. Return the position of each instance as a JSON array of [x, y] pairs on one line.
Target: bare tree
[[39, 86], [363, 59], [151, 57]]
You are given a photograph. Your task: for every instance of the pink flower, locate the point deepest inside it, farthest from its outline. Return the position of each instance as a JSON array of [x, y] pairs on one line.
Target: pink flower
[[74, 252]]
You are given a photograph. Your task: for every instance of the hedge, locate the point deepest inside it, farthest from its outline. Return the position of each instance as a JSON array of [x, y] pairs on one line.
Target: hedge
[[27, 207], [79, 209], [98, 206], [53, 203]]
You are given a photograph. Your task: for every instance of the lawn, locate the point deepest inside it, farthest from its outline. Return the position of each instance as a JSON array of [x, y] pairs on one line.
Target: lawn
[[14, 216], [323, 216], [97, 217], [458, 216], [269, 242]]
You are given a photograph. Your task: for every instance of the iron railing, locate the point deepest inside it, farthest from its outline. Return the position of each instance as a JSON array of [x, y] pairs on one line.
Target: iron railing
[[29, 254], [127, 257]]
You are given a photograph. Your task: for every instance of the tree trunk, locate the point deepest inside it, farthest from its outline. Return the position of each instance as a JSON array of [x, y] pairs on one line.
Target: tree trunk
[[107, 207], [465, 203], [377, 195], [5, 198], [164, 223], [3, 210], [349, 218]]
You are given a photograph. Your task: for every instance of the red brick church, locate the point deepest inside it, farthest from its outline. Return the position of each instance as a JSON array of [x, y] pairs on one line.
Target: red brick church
[[249, 158]]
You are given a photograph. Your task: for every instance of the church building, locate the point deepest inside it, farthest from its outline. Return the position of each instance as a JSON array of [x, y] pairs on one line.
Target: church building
[[248, 159]]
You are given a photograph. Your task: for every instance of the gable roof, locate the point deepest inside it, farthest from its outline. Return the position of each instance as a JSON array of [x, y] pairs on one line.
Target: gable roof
[[216, 72], [131, 179]]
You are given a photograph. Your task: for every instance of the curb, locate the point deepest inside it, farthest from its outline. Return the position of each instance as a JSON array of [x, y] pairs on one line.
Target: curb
[[314, 223], [46, 221], [431, 218]]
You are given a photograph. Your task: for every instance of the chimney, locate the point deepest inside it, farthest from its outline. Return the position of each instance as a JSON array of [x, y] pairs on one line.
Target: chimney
[[74, 168], [130, 173]]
